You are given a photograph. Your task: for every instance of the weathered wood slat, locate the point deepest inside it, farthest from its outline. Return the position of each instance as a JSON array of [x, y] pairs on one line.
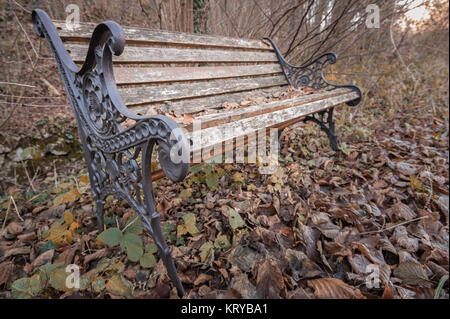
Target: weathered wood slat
[[216, 119], [148, 36], [150, 94], [228, 131], [195, 105], [133, 54], [132, 75]]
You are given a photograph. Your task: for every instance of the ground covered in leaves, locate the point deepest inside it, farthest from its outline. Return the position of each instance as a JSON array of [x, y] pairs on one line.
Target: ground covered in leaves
[[369, 221]]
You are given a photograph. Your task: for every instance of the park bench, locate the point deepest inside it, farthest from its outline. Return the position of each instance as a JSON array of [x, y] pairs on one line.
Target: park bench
[[112, 89]]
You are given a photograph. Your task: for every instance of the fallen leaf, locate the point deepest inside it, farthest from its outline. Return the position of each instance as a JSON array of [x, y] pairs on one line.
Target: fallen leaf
[[333, 288], [189, 221], [241, 284], [235, 219], [205, 251], [14, 228], [202, 279], [43, 258], [269, 281], [412, 273], [118, 285], [147, 260], [110, 237], [6, 270]]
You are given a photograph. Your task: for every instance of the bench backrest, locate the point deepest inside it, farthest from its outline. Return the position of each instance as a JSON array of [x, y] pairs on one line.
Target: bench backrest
[[183, 72]]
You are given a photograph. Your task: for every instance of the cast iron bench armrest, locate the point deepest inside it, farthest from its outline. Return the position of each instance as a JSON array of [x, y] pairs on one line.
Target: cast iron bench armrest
[[311, 74], [112, 152], [103, 109]]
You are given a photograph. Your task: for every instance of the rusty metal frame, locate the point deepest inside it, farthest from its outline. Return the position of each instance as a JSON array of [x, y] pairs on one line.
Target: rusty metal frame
[[311, 75], [113, 153]]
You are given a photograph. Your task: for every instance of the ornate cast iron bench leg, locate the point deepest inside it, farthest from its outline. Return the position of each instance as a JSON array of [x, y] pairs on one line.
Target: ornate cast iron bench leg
[[111, 152], [311, 75], [326, 125]]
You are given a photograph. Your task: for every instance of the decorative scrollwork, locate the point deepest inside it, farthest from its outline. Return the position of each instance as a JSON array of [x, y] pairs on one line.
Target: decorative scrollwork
[[112, 153], [311, 75], [326, 124]]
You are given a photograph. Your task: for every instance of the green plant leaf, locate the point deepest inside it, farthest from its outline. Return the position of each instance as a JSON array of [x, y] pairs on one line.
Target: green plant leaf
[[47, 246], [132, 244], [37, 283], [135, 228], [151, 248], [20, 289], [212, 180], [111, 237], [148, 260], [58, 279], [47, 269]]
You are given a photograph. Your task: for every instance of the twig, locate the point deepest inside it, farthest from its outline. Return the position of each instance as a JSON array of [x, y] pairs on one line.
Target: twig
[[55, 173], [393, 226], [26, 34], [17, 210], [30, 75], [28, 11], [35, 175], [117, 223], [28, 176], [18, 84], [401, 58]]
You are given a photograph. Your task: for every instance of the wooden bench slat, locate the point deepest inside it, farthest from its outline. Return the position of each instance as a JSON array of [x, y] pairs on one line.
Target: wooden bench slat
[[148, 36], [134, 54], [133, 75], [195, 105], [226, 132], [150, 94], [210, 120]]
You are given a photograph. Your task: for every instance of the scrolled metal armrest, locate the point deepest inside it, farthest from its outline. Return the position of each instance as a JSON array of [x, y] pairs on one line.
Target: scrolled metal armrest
[[311, 74], [173, 148]]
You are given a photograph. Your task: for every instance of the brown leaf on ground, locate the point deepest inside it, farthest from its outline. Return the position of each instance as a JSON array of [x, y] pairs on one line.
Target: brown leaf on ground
[[43, 258], [202, 279], [14, 228], [241, 284], [401, 211], [269, 281], [6, 270], [333, 288], [412, 273], [97, 255]]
